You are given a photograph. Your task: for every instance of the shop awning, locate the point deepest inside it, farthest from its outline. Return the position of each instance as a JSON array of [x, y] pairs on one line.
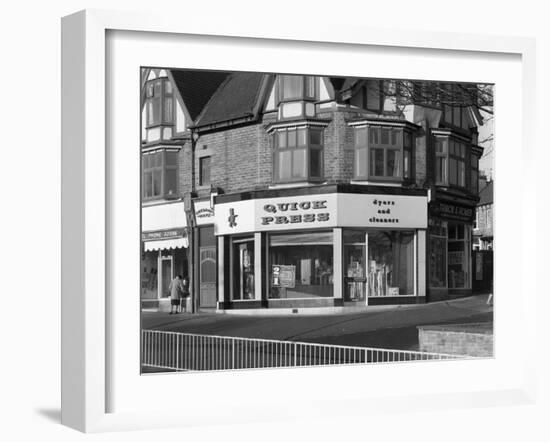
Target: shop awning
[[166, 244]]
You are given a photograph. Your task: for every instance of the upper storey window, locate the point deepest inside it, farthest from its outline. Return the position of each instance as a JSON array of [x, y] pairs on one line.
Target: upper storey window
[[383, 153], [298, 154], [297, 87], [159, 109], [296, 95], [456, 165], [160, 174]]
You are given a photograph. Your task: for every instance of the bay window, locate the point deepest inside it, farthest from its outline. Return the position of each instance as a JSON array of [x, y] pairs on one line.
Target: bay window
[[450, 162], [383, 153], [298, 154], [160, 174]]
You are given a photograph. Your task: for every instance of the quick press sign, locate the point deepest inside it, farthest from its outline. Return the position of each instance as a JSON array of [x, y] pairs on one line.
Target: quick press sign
[[321, 211]]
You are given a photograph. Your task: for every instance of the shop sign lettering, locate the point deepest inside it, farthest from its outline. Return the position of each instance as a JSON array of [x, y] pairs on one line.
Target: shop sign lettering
[[205, 213], [278, 212], [163, 234], [383, 213], [453, 211]]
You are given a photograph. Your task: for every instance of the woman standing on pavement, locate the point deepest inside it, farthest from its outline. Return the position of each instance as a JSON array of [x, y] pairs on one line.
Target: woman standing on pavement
[[176, 289]]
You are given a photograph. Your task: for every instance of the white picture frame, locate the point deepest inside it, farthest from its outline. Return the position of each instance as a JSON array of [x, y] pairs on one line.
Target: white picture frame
[[90, 310]]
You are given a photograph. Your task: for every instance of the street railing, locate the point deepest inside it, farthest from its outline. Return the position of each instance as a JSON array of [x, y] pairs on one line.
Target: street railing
[[193, 352]]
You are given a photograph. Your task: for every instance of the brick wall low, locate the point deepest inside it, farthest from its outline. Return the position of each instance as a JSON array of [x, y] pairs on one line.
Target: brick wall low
[[459, 339]]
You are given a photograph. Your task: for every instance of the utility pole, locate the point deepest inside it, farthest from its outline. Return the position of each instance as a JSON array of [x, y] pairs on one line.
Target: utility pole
[[190, 217]]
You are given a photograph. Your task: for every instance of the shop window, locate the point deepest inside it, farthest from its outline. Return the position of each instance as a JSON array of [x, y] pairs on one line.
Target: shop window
[[301, 265], [242, 265], [458, 273], [204, 171], [160, 174], [438, 255], [159, 103], [390, 264], [298, 154], [383, 153]]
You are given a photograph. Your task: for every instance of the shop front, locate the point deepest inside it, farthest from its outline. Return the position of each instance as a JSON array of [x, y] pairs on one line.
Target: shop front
[[450, 249], [164, 252], [324, 247]]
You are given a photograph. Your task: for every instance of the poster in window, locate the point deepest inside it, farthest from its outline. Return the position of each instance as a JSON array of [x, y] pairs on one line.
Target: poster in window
[[284, 276]]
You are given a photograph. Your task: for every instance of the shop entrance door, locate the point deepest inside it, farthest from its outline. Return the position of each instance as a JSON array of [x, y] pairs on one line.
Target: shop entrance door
[[207, 277], [166, 275], [355, 275]]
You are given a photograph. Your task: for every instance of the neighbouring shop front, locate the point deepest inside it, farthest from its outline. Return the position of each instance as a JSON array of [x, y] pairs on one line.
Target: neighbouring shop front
[[323, 246], [164, 252], [450, 249]]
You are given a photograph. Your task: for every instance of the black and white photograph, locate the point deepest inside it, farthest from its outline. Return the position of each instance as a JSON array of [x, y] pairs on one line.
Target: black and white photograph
[[303, 220]]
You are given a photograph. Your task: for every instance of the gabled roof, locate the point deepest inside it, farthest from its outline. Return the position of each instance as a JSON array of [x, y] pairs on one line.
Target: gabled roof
[[196, 87], [236, 98], [486, 194]]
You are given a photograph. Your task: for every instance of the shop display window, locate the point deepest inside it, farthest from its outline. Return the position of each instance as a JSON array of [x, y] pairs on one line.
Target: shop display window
[[438, 255], [301, 265], [243, 269], [458, 273], [149, 275], [390, 266], [355, 277]]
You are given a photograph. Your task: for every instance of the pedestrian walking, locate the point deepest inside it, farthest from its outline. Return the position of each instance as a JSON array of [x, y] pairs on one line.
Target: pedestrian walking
[[184, 294], [176, 289]]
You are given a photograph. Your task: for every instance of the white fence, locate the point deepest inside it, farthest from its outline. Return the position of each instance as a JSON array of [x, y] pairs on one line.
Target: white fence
[[191, 352]]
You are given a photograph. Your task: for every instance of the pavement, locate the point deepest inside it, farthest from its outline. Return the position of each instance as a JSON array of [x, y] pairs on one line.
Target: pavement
[[376, 326]]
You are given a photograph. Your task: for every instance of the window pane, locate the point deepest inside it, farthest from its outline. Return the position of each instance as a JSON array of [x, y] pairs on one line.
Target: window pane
[[153, 111], [361, 137], [243, 270], [167, 87], [406, 164], [373, 95], [361, 163], [438, 262], [302, 137], [284, 166], [315, 137], [456, 116], [158, 89], [310, 87], [281, 138], [168, 106], [170, 182], [385, 136], [309, 258], [441, 145], [147, 184], [407, 142], [299, 166], [377, 162], [474, 180], [461, 173], [394, 137], [453, 177], [393, 163], [157, 176], [204, 171], [292, 86], [373, 135], [291, 137], [441, 170], [171, 158], [150, 90], [315, 163]]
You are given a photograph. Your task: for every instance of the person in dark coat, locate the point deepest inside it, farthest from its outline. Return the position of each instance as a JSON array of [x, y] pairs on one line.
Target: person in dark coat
[[176, 289]]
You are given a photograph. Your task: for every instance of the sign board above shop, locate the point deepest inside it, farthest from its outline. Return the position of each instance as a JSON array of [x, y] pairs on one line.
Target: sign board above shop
[[322, 211], [204, 213]]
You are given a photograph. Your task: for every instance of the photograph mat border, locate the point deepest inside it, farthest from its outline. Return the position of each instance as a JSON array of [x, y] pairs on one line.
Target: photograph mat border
[[85, 269]]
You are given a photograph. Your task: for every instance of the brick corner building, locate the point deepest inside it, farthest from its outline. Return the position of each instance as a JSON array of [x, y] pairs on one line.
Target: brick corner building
[[292, 191]]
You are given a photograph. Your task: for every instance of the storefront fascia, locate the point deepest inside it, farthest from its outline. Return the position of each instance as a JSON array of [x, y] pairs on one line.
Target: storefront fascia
[[316, 232], [164, 240]]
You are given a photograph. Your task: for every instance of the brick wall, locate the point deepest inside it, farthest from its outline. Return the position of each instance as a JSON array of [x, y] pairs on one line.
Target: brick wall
[[457, 341], [242, 156]]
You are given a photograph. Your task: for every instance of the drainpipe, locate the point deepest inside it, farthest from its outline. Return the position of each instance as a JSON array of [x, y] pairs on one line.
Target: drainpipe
[[191, 230]]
